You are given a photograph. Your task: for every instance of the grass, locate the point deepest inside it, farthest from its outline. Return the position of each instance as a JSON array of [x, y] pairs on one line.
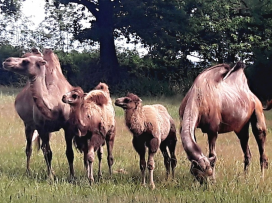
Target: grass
[[232, 185]]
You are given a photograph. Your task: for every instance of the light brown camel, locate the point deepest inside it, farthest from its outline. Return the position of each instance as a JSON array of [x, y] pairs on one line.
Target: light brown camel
[[220, 101], [92, 120], [39, 104], [152, 127]]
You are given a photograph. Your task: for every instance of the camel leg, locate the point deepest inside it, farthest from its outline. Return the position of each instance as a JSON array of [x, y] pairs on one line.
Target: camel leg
[[152, 149], [243, 136], [172, 141], [166, 158], [70, 153], [212, 137], [29, 134], [47, 153], [259, 131], [88, 161], [140, 149], [99, 155], [110, 142]]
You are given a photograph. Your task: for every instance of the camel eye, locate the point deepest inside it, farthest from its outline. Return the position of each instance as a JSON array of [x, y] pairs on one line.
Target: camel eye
[[127, 100], [74, 96], [25, 62]]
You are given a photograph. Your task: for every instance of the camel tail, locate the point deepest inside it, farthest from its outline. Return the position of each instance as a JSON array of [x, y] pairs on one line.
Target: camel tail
[[268, 106], [36, 140]]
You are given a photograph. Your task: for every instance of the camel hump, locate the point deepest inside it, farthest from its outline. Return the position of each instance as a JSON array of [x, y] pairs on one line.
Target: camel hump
[[104, 87], [97, 96], [47, 51], [34, 52], [239, 65]]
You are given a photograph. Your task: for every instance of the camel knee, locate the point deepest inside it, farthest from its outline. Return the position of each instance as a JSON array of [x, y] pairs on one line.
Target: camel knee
[[151, 165], [173, 162], [90, 157], [110, 160], [142, 165]]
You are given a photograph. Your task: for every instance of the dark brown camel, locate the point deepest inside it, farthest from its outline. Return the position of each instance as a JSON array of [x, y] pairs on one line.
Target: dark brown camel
[[39, 104], [152, 127], [220, 101], [92, 120]]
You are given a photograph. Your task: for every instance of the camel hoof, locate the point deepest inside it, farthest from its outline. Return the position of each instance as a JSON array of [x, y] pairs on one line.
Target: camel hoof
[[28, 172], [91, 181], [152, 186], [72, 179]]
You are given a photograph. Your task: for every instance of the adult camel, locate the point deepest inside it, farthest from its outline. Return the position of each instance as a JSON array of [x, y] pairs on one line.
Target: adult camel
[[39, 104], [220, 101]]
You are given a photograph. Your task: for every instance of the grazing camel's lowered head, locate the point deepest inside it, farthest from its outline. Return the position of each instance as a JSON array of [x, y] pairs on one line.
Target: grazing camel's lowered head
[[152, 127], [220, 101], [92, 121]]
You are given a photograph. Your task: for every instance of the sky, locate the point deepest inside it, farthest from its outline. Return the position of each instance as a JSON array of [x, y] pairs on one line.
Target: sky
[[35, 10]]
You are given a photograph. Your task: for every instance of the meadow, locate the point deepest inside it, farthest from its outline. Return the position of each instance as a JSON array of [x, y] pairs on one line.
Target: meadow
[[124, 186]]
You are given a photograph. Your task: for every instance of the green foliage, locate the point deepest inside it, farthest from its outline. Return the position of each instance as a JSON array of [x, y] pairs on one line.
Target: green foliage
[[10, 7]]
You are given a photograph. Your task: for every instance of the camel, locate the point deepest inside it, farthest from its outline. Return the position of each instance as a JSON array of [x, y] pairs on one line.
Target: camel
[[152, 127], [93, 123], [220, 101], [39, 104]]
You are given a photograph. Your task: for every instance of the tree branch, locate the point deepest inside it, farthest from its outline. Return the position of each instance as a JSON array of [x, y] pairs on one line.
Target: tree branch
[[91, 6]]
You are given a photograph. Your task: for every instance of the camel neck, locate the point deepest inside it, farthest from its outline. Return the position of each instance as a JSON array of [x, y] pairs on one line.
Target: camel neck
[[135, 120]]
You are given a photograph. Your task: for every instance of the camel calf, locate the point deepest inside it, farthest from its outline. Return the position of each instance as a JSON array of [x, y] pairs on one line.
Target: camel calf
[[152, 127], [92, 121]]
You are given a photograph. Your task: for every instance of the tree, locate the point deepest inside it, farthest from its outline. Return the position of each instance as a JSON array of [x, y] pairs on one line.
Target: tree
[[153, 22]]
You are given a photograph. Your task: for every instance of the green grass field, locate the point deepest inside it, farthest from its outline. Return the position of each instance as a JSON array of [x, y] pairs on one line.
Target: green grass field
[[232, 185]]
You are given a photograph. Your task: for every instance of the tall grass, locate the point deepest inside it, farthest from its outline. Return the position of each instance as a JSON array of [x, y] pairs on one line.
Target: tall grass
[[124, 186]]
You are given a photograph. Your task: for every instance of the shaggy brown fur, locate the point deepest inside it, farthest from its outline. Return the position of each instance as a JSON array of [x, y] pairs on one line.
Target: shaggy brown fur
[[92, 120], [152, 127], [220, 101], [39, 104]]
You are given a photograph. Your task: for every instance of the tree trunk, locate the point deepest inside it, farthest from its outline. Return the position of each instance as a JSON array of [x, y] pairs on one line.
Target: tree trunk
[[108, 58]]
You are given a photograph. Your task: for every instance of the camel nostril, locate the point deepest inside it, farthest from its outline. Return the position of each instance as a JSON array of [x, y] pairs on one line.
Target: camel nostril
[[63, 98], [8, 60]]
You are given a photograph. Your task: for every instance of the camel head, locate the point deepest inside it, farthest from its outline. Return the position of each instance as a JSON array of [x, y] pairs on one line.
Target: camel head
[[74, 97], [131, 101], [30, 66], [202, 168]]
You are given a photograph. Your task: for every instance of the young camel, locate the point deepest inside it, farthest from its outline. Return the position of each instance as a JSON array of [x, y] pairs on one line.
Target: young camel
[[152, 127], [92, 121]]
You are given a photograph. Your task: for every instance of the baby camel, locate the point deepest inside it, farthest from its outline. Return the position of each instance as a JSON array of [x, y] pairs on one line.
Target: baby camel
[[152, 127], [92, 121]]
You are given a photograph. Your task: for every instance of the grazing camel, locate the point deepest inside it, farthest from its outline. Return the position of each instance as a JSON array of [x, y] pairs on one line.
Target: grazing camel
[[39, 104], [92, 121], [220, 101], [152, 127]]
